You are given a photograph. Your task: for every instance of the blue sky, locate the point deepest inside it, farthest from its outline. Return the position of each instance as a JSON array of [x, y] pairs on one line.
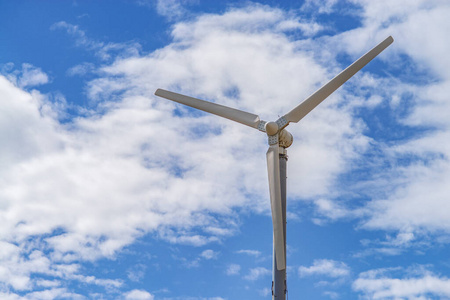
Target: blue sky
[[108, 192]]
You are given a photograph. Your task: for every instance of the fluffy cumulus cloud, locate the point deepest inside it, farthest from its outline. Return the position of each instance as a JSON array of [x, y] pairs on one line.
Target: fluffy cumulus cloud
[[136, 165], [209, 254], [26, 77], [233, 269], [414, 198], [408, 185], [325, 267], [257, 273], [416, 188], [139, 295], [419, 284], [254, 253], [242, 59], [105, 51]]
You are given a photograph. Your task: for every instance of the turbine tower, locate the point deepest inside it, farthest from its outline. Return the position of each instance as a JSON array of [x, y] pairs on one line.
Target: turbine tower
[[279, 139]]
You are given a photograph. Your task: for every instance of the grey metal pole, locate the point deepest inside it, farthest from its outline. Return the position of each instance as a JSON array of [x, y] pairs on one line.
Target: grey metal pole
[[279, 287]]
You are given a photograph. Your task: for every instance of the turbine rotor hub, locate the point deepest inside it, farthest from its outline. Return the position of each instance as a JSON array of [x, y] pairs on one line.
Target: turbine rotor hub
[[271, 128]]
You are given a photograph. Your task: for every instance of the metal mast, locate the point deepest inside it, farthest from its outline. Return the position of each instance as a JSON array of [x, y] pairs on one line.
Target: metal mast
[[279, 282]]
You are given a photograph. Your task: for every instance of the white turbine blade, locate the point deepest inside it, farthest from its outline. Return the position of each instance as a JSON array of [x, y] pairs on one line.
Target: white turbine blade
[[217, 109], [321, 94], [273, 167]]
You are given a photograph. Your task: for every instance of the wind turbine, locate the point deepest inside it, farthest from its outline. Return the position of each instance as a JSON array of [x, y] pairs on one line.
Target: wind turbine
[[279, 140]]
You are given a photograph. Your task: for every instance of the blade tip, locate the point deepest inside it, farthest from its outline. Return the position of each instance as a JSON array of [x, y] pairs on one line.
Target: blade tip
[[390, 39]]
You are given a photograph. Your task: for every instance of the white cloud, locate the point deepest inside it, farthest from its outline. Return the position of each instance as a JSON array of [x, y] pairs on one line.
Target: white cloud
[[195, 298], [265, 292], [209, 254], [325, 267], [233, 269], [381, 284], [139, 295], [21, 270], [171, 9], [49, 294], [28, 76], [331, 295], [81, 69], [153, 166], [422, 203], [255, 253], [105, 51], [136, 272], [257, 273], [308, 28], [32, 76], [393, 245], [331, 209], [415, 198], [238, 63], [322, 6]]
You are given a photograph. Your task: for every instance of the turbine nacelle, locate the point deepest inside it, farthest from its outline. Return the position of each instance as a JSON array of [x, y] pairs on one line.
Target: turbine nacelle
[[285, 138]]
